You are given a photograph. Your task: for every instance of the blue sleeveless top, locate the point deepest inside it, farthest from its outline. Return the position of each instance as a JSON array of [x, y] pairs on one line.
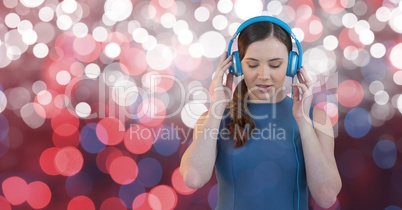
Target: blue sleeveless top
[[262, 173]]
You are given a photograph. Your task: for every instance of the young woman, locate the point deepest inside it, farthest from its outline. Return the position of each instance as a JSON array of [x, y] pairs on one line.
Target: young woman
[[268, 150]]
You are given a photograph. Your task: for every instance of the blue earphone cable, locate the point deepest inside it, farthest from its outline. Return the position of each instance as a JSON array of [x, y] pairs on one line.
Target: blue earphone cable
[[296, 154]]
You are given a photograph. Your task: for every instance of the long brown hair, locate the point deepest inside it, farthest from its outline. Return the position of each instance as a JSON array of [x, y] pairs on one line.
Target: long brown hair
[[242, 125]]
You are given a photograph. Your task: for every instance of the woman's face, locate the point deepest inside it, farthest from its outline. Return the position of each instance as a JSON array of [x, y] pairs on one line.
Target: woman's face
[[264, 69]]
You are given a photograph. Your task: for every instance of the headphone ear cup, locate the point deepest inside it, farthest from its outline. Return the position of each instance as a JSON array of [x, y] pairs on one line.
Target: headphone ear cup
[[293, 63], [237, 70]]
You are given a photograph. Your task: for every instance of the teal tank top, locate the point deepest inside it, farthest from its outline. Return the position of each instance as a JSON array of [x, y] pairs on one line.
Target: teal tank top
[[262, 173]]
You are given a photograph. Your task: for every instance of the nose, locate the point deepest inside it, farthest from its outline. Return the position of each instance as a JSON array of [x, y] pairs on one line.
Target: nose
[[264, 73]]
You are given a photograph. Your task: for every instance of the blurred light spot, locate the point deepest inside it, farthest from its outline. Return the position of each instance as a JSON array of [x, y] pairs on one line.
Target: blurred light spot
[[40, 50], [332, 6], [33, 115], [92, 70], [113, 203], [382, 112], [305, 12], [357, 122], [64, 22], [201, 14], [150, 172], [63, 77], [100, 34], [366, 37], [178, 183], [31, 3], [298, 33], [395, 56], [375, 71], [397, 79], [376, 86], [384, 154], [381, 97], [330, 42], [363, 58], [46, 161], [213, 196], [331, 110], [148, 11], [112, 50], [81, 202], [80, 29], [110, 131], [160, 57], [64, 141], [4, 204], [140, 35], [220, 22], [79, 184], [349, 20], [105, 157], [10, 3], [83, 109], [167, 139], [225, 6], [165, 197], [179, 26], [44, 97], [125, 92], [185, 37], [128, 192], [69, 6], [361, 25], [68, 161], [12, 20], [86, 49], [214, 44], [168, 20], [20, 96], [351, 53], [396, 20], [377, 50], [246, 9], [142, 201], [392, 208], [118, 10], [315, 27], [274, 7], [321, 62], [138, 139], [360, 8], [233, 28], [196, 50], [166, 3], [3, 101], [399, 103], [65, 123], [150, 43], [123, 170], [350, 93], [38, 86], [46, 14], [15, 190], [191, 112], [39, 195], [383, 14]]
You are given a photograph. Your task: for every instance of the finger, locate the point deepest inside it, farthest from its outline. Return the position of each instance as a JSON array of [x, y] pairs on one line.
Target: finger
[[299, 78], [304, 90], [229, 81], [296, 93], [307, 79]]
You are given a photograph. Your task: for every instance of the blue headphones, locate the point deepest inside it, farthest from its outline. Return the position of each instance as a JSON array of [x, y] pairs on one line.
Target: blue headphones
[[294, 61]]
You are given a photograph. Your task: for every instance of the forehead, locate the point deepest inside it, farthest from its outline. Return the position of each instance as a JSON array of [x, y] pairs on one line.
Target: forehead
[[270, 47]]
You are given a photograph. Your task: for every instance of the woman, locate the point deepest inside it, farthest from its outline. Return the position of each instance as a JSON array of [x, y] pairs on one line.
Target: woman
[[266, 151]]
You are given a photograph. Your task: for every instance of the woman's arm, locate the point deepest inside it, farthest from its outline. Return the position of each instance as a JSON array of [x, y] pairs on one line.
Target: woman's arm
[[323, 177]]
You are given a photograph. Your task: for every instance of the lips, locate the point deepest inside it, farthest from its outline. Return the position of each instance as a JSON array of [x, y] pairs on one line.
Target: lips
[[263, 87]]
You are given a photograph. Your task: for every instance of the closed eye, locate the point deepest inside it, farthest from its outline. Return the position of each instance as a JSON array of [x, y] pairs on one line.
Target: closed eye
[[275, 66], [252, 66]]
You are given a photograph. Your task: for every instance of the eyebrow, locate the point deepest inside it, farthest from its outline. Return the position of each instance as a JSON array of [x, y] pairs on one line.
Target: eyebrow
[[273, 59]]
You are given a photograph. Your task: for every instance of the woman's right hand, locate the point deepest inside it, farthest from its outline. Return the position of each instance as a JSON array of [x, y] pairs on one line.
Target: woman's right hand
[[222, 82]]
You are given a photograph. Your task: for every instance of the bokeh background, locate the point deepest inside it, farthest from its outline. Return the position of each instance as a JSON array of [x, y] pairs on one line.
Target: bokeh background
[[98, 98]]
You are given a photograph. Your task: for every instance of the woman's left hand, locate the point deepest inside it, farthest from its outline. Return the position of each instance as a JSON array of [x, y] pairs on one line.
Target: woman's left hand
[[302, 97]]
